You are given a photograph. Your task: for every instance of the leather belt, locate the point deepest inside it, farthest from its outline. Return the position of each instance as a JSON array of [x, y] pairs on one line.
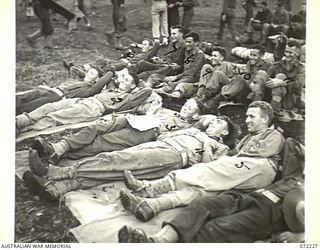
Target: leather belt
[[59, 93], [177, 146], [100, 104], [271, 196]]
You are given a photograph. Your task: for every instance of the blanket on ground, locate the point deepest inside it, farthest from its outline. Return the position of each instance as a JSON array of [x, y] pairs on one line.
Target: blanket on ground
[[98, 209], [101, 214]]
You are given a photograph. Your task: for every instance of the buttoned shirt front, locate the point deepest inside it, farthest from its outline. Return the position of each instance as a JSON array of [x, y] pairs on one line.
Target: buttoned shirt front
[[193, 62]]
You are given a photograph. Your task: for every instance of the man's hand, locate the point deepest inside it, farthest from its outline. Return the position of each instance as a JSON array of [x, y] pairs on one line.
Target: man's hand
[[224, 17], [86, 66], [289, 237], [155, 105], [275, 82], [170, 78], [254, 87], [174, 66], [156, 60]]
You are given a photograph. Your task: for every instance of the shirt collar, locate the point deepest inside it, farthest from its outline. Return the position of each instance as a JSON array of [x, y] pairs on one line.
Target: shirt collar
[[192, 52], [285, 63], [179, 44], [217, 138]]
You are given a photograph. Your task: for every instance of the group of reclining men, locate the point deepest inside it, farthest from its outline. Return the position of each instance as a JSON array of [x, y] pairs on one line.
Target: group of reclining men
[[162, 142]]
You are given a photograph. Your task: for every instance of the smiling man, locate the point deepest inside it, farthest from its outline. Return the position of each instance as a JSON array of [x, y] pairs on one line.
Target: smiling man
[[218, 63], [170, 63], [286, 91], [257, 80], [276, 211], [253, 166], [194, 59], [75, 110]]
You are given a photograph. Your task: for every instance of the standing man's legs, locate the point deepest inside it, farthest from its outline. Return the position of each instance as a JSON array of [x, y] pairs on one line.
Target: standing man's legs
[[231, 16], [155, 16], [115, 16], [188, 13], [164, 25], [42, 12], [221, 27], [249, 14], [173, 16]]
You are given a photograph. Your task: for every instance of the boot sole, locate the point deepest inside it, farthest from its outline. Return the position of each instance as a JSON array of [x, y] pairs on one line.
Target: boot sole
[[123, 235], [129, 235], [140, 210], [125, 200]]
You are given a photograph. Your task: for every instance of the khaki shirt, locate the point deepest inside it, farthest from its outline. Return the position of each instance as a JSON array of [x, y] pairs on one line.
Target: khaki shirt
[[266, 144]]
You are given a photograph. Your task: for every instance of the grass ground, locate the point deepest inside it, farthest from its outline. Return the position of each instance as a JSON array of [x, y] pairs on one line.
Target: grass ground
[[40, 221]]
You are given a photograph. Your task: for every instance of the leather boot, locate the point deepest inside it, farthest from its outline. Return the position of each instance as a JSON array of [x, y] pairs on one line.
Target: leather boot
[[47, 189], [131, 182], [44, 169], [128, 234], [45, 150], [37, 166], [137, 205], [148, 189], [36, 185], [144, 208]]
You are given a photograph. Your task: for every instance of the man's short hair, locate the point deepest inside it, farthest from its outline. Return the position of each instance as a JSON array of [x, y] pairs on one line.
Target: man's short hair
[[234, 131], [178, 27], [294, 44], [266, 109], [260, 48], [221, 50], [296, 19], [149, 41], [134, 76], [195, 36], [264, 3]]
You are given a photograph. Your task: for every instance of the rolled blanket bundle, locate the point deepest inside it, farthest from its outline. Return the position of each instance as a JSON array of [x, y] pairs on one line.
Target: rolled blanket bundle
[[244, 53]]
